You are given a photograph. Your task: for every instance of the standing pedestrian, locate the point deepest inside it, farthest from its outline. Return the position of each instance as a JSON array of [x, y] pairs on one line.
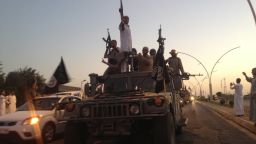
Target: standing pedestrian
[[252, 80], [7, 102], [238, 97], [12, 98], [2, 102]]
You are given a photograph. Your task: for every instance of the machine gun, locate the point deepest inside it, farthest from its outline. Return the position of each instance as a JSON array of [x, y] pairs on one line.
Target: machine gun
[[160, 39], [186, 76], [108, 44]]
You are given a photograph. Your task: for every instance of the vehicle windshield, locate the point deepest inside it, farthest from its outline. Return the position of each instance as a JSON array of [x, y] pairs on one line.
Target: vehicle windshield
[[130, 82], [40, 104]]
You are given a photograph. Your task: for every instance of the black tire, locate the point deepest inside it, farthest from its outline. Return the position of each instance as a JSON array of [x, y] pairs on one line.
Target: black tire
[[179, 130], [75, 133], [164, 130], [48, 133], [178, 125]]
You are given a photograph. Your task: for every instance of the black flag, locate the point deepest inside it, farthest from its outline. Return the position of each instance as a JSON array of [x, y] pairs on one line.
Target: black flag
[[60, 76]]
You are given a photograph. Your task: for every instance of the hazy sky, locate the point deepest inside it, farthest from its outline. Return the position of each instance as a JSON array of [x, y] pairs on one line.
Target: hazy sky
[[37, 33]]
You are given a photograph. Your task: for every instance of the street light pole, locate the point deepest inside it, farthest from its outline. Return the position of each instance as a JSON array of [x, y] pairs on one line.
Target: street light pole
[[253, 12], [210, 78], [200, 84]]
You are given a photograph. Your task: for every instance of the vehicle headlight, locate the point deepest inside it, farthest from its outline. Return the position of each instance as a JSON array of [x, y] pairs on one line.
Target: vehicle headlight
[[134, 109], [192, 98], [31, 121], [159, 101], [85, 112]]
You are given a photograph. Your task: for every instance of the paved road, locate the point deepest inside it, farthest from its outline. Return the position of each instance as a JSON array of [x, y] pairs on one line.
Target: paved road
[[206, 127]]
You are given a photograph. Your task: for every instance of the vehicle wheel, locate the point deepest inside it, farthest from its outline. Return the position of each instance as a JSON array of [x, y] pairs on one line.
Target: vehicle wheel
[[48, 132], [179, 130], [178, 124], [141, 132], [75, 133], [164, 130]]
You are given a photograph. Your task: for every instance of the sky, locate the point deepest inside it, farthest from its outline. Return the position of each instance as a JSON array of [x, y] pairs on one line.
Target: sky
[[37, 33]]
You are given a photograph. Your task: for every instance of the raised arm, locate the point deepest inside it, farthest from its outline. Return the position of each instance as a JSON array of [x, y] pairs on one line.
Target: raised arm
[[247, 78]]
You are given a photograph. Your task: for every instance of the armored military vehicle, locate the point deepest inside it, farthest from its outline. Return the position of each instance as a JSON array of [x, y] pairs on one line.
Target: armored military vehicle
[[126, 109]]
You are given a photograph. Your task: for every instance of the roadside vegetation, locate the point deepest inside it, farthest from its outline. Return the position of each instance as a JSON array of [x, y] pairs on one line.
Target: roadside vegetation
[[20, 80]]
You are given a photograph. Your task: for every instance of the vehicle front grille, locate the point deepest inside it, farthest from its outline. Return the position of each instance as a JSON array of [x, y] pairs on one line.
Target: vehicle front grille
[[7, 123], [109, 110]]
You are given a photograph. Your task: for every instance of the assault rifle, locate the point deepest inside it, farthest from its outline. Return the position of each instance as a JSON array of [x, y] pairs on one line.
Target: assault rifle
[[121, 10], [160, 39], [108, 44]]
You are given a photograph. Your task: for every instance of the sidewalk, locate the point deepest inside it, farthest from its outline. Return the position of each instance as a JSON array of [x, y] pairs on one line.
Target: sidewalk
[[228, 113]]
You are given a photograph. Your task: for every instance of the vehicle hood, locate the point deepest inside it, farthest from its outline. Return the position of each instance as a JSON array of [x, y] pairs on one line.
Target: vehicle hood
[[22, 115]]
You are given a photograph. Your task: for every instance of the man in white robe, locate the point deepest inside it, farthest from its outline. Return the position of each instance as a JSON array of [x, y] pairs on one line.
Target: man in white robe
[[126, 41], [12, 98], [252, 80], [2, 103], [238, 97]]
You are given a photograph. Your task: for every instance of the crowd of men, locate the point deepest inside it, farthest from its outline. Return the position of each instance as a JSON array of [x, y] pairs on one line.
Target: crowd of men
[[126, 58], [7, 102]]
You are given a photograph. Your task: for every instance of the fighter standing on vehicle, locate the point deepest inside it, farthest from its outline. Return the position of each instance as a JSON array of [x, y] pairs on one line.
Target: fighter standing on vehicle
[[125, 38]]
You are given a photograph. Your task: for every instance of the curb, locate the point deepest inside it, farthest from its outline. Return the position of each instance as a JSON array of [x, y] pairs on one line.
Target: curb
[[240, 121]]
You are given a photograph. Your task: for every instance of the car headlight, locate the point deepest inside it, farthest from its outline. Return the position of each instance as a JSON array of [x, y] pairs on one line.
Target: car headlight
[[157, 101], [192, 98], [134, 109], [85, 112], [31, 121]]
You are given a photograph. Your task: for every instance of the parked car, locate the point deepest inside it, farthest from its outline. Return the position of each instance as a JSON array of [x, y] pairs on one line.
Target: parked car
[[42, 123]]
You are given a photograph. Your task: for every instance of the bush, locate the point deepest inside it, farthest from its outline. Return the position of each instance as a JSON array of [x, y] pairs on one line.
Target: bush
[[222, 101]]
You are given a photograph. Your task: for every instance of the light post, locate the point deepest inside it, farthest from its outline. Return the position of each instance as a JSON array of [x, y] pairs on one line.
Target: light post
[[200, 84], [209, 76], [193, 86], [253, 12]]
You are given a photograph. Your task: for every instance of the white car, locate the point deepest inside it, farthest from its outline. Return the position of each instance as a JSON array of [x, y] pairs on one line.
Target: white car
[[40, 124]]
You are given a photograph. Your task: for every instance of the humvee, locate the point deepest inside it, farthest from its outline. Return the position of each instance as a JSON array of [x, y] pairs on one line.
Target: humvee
[[124, 108]]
